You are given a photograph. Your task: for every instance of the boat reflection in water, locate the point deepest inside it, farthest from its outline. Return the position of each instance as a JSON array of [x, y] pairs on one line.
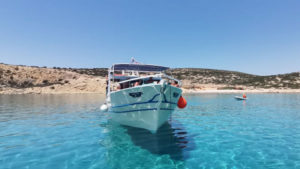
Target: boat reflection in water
[[129, 147], [168, 140]]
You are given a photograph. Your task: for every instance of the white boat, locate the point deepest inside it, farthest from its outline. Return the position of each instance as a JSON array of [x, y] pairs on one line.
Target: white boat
[[240, 98], [141, 95]]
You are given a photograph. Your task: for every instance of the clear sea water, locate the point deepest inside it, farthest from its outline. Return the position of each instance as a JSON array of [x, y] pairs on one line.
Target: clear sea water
[[214, 131]]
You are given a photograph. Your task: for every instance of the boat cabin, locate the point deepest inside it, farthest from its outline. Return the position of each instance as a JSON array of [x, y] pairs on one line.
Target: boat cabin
[[123, 76]]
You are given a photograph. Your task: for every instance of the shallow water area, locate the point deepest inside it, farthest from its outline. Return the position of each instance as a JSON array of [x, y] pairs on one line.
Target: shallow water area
[[214, 131]]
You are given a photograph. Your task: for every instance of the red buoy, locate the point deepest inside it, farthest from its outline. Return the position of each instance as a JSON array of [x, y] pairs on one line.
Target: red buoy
[[181, 103]]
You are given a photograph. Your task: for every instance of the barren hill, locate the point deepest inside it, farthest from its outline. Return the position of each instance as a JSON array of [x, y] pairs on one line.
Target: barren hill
[[33, 79], [232, 80], [222, 79]]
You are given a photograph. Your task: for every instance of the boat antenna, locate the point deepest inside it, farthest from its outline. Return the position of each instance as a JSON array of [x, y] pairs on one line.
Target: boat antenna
[[134, 61]]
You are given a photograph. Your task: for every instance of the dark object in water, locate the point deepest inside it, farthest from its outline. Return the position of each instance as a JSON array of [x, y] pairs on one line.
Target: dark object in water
[[240, 98]]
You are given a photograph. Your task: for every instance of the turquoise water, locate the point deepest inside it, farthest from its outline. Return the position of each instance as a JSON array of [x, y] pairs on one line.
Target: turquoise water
[[214, 131]]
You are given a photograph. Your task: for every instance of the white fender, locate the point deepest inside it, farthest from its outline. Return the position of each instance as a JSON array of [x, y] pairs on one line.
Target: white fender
[[104, 108]]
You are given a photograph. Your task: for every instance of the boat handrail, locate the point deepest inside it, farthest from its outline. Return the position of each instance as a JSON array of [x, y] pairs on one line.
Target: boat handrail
[[155, 76], [172, 78], [129, 88], [139, 78]]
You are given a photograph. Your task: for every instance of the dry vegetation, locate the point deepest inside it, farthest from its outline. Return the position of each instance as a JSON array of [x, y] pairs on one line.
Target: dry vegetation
[[195, 77], [199, 78], [32, 79]]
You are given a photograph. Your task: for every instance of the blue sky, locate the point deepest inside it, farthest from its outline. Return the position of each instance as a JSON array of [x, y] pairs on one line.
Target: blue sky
[[253, 36]]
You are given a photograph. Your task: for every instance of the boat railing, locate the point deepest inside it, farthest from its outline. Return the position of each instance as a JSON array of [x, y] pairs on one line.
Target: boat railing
[[122, 76], [144, 80]]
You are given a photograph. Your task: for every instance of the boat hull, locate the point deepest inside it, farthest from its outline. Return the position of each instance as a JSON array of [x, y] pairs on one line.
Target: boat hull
[[148, 106], [240, 98]]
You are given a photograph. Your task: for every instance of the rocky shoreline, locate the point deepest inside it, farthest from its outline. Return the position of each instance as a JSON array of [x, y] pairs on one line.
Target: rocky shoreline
[[43, 90], [18, 79], [36, 80]]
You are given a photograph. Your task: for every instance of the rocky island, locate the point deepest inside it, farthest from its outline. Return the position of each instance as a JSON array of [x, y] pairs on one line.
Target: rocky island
[[20, 79]]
